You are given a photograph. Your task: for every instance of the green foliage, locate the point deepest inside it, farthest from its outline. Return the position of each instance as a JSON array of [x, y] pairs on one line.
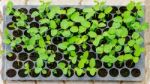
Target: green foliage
[[92, 34], [121, 41], [53, 24], [54, 32], [9, 7], [70, 11], [51, 58], [63, 45], [122, 32], [74, 29], [109, 59], [108, 10], [97, 40]]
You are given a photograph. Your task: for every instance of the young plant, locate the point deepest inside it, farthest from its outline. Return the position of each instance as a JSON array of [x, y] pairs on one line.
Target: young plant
[[91, 67], [109, 59]]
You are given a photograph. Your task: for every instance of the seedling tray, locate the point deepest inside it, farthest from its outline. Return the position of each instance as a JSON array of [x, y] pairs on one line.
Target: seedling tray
[[126, 72]]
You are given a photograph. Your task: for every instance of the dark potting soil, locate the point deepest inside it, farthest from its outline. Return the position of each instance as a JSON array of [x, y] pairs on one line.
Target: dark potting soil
[[77, 24], [29, 18], [48, 73], [31, 64], [9, 26], [52, 65], [17, 49], [100, 56], [125, 72], [12, 58], [66, 57], [23, 10], [62, 16], [93, 48], [23, 56], [52, 47], [17, 64], [135, 72], [102, 72], [92, 55], [15, 18], [11, 73], [130, 64], [27, 34], [98, 31], [95, 17], [33, 10], [74, 65], [33, 74], [106, 65], [122, 9], [57, 72], [77, 48], [114, 9], [34, 24], [134, 10], [57, 40], [119, 64], [34, 56], [114, 72], [108, 17], [110, 23], [98, 64], [17, 33], [37, 18], [58, 56], [21, 73], [79, 54]]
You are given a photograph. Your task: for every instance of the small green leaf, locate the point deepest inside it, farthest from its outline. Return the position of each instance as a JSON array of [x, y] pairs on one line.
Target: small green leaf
[[39, 62], [71, 48], [54, 32], [63, 45], [97, 40], [101, 15], [102, 24], [44, 21], [121, 41], [61, 65], [135, 35], [37, 70], [53, 24], [127, 49], [74, 29], [118, 48], [130, 6], [108, 10], [35, 14], [66, 33], [87, 10], [51, 58], [92, 34], [135, 59], [92, 63], [86, 24], [140, 13], [82, 29], [70, 11]]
